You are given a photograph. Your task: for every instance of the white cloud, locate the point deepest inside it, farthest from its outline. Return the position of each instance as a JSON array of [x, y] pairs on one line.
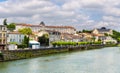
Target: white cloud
[[83, 14]]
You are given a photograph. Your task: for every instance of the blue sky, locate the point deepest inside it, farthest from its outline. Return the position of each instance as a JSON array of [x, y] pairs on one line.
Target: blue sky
[[81, 14], [2, 0]]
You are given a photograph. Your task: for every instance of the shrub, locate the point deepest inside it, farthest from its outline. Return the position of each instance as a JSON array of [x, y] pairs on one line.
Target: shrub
[[22, 46]]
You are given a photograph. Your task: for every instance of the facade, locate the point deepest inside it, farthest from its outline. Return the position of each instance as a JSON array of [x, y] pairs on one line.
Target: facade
[[99, 34], [37, 28], [15, 37], [52, 35], [3, 36], [71, 37], [102, 30]]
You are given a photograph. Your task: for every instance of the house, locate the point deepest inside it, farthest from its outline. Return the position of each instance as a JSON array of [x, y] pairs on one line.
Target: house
[[100, 34], [54, 35], [15, 37], [102, 30], [37, 28], [71, 37], [86, 36], [3, 36]]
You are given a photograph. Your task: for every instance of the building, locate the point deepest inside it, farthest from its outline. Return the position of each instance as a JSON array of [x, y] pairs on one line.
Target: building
[[102, 30], [62, 29], [52, 35], [3, 36], [100, 34], [37, 28], [15, 37], [71, 37]]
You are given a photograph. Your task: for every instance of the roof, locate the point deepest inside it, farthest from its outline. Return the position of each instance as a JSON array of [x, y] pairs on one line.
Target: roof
[[103, 29], [15, 32], [60, 27], [30, 25], [70, 36]]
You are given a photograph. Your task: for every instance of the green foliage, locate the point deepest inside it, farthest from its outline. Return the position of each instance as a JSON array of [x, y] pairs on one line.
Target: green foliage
[[22, 46], [116, 35], [11, 26], [13, 43], [26, 31], [63, 43], [44, 40], [106, 34], [99, 42], [25, 41], [86, 31], [5, 22]]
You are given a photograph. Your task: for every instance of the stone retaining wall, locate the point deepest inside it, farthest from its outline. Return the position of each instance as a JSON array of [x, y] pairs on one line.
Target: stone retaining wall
[[8, 55]]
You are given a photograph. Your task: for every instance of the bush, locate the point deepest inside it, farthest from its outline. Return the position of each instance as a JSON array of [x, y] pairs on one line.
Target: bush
[[63, 43], [22, 46]]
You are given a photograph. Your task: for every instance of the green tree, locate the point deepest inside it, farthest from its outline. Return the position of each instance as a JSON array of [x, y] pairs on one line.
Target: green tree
[[26, 41], [26, 31], [11, 26], [116, 35], [44, 40], [5, 21], [86, 31]]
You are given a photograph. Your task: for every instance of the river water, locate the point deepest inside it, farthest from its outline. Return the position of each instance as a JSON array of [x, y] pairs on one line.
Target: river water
[[105, 60]]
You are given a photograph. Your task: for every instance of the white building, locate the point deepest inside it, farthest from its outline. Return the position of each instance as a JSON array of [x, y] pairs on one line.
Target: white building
[[37, 28], [15, 37]]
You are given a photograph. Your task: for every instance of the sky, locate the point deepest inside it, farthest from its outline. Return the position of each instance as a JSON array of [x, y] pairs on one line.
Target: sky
[[81, 14]]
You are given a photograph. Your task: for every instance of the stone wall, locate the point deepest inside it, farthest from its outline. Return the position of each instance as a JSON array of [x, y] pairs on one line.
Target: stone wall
[[23, 54], [7, 55]]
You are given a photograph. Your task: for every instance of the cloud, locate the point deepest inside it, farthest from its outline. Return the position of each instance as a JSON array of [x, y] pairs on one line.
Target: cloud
[[82, 14]]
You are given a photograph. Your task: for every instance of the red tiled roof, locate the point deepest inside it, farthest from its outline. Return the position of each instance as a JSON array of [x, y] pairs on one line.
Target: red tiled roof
[[60, 27], [23, 24], [15, 32]]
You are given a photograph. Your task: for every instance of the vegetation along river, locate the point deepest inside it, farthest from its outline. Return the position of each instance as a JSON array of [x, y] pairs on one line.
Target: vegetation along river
[[105, 60]]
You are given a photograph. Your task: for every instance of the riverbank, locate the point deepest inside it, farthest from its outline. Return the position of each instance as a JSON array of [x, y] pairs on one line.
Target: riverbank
[[8, 55]]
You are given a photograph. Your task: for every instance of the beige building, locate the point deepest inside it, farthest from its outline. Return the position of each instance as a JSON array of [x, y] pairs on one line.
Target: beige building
[[102, 30], [99, 34], [37, 28], [3, 36]]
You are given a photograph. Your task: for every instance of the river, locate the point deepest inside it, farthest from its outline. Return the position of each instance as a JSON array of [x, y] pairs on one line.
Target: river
[[105, 60]]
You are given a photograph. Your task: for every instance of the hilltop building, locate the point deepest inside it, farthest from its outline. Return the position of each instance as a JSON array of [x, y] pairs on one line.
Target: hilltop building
[[42, 26], [100, 34]]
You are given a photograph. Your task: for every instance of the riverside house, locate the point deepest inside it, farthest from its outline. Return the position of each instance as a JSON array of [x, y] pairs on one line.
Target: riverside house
[[3, 37], [99, 34], [15, 37]]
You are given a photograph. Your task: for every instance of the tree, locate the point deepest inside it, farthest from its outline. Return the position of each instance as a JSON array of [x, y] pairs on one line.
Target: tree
[[5, 22], [26, 41], [116, 35], [44, 40], [86, 31], [26, 31], [11, 26]]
